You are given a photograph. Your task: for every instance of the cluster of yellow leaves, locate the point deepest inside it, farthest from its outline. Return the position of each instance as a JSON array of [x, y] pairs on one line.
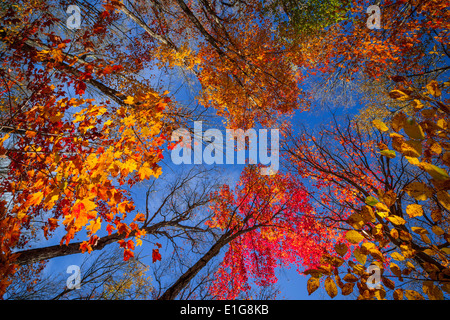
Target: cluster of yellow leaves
[[424, 144], [84, 172], [133, 283]]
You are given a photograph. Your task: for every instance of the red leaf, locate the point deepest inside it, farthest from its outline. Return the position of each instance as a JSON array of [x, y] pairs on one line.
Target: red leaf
[[80, 88], [156, 256], [127, 254]]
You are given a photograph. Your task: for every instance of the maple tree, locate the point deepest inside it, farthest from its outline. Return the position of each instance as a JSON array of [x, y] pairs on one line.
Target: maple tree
[[266, 223]]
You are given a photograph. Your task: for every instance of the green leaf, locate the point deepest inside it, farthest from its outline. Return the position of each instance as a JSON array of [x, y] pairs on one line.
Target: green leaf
[[413, 129], [371, 201]]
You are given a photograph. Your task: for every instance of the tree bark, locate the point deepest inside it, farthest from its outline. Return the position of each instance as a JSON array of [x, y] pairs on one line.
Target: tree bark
[[45, 253]]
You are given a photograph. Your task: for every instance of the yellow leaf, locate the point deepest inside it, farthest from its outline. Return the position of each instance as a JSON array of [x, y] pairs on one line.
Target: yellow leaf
[[414, 210], [412, 148], [417, 105], [361, 258], [397, 256], [354, 236], [388, 153], [145, 172], [412, 160], [396, 220], [436, 148], [376, 254], [312, 285], [347, 288], [356, 221], [389, 198], [398, 294], [367, 214], [434, 171], [380, 125], [94, 226], [330, 287], [129, 100], [433, 88], [394, 233], [382, 207]]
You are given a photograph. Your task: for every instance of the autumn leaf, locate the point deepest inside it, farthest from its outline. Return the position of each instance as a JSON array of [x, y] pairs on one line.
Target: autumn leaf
[[330, 287], [360, 257], [434, 171], [398, 294], [395, 269], [354, 236], [356, 221], [341, 249], [397, 256], [156, 256], [413, 129], [444, 199], [389, 198], [419, 230], [399, 95], [398, 121], [388, 153], [396, 220], [437, 230], [418, 190], [414, 210], [433, 88], [312, 285], [371, 201], [347, 288], [413, 295], [350, 278], [380, 125], [388, 283], [129, 100], [35, 198]]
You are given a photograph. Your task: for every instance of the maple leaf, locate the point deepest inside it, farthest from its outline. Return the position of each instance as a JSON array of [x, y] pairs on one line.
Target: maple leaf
[[127, 254]]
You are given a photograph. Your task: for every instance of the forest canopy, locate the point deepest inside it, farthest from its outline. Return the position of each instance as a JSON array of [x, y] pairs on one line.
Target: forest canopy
[[352, 97]]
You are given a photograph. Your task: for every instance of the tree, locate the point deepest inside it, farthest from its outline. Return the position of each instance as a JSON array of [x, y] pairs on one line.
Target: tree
[[348, 51], [266, 223], [392, 207]]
